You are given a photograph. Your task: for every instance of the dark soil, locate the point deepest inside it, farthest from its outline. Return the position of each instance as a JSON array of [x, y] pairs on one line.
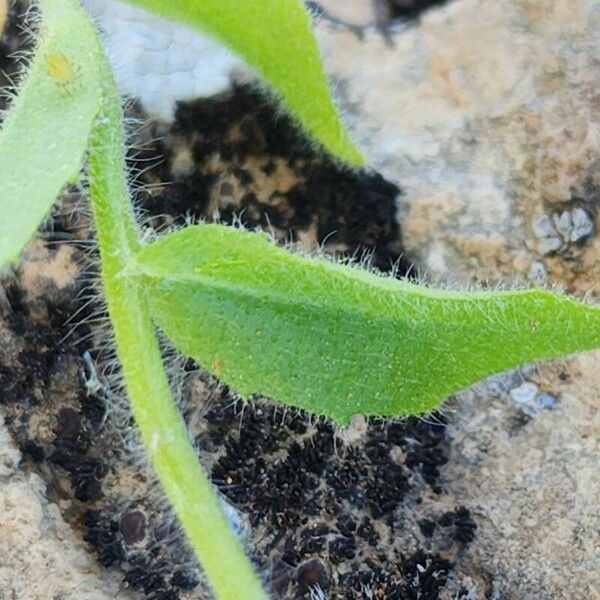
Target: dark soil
[[410, 9], [348, 517], [388, 12], [244, 159], [12, 42]]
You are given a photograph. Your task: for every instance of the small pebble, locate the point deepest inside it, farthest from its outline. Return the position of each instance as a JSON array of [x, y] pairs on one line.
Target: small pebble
[[529, 399], [563, 224], [583, 225], [549, 241], [538, 273], [525, 396], [546, 401]]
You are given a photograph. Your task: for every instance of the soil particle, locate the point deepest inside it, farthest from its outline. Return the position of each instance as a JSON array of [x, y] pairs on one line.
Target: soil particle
[[410, 9], [133, 527], [312, 574], [461, 522]]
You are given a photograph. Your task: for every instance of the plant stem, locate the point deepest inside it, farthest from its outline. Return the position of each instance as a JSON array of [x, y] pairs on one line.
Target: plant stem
[[161, 426]]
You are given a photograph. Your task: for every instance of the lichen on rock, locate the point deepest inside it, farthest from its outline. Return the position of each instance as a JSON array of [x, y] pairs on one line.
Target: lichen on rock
[[486, 114]]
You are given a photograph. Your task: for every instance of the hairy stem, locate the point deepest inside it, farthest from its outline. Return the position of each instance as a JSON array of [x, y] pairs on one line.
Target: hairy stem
[[161, 426]]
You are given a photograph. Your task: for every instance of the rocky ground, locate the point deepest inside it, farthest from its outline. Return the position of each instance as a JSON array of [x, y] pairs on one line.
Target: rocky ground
[[484, 121]]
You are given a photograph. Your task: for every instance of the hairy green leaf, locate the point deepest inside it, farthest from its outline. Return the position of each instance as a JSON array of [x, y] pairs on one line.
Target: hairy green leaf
[[275, 37], [337, 340], [45, 134]]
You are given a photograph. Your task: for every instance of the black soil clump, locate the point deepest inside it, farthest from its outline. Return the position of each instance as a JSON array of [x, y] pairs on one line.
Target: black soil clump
[[236, 156], [386, 14], [43, 392], [410, 9], [327, 510]]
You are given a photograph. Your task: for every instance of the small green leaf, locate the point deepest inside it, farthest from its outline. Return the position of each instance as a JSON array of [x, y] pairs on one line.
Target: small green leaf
[[275, 37], [336, 340], [45, 134]]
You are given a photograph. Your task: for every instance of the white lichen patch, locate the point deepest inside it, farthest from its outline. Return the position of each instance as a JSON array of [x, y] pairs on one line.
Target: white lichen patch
[[161, 62]]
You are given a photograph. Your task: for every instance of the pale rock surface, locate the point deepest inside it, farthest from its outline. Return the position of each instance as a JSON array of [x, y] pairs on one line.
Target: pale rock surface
[[487, 115], [41, 557], [533, 484], [357, 13], [3, 14]]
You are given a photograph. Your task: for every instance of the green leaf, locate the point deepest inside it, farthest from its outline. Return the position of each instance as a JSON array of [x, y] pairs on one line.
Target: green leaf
[[337, 340], [45, 134], [275, 37]]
